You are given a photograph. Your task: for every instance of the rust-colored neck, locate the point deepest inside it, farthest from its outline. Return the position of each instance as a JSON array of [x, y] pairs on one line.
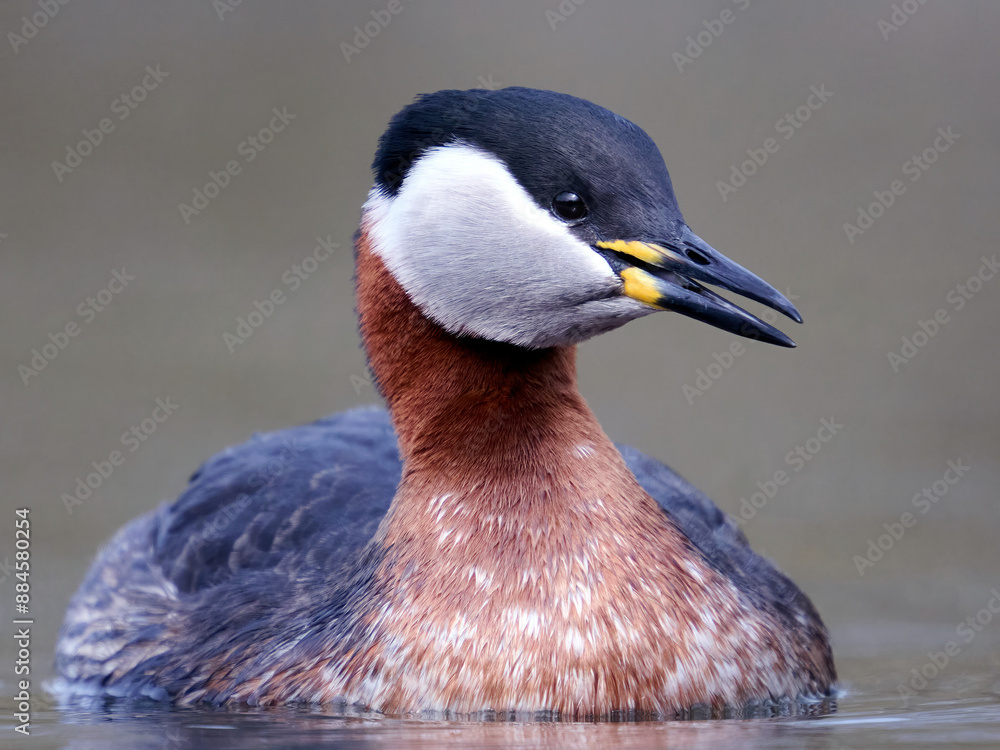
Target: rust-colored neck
[[517, 529], [462, 402]]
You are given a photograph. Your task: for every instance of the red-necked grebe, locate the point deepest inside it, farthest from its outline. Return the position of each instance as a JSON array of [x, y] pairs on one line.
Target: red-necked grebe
[[489, 549]]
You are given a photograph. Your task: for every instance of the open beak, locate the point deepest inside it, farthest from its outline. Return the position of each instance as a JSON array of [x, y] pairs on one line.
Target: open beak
[[662, 274]]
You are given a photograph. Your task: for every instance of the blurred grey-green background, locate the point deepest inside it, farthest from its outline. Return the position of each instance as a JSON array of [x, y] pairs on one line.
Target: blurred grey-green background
[[707, 80]]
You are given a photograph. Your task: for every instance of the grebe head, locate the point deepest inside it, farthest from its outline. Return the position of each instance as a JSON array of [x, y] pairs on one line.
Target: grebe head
[[539, 219]]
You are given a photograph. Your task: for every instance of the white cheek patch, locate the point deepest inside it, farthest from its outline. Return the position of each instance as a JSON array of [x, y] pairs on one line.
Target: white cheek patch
[[478, 256]]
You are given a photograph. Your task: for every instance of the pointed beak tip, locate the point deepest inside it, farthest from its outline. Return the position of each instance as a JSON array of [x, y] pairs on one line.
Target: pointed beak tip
[[666, 275], [730, 275], [770, 335], [792, 312]]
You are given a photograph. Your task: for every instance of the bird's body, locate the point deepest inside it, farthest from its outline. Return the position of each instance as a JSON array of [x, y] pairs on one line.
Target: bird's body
[[490, 549]]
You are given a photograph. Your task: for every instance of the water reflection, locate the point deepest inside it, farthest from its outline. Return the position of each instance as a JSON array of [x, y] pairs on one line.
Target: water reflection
[[869, 715], [307, 728]]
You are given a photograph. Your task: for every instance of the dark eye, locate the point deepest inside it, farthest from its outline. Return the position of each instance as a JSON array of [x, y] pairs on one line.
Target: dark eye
[[569, 206]]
